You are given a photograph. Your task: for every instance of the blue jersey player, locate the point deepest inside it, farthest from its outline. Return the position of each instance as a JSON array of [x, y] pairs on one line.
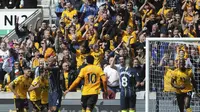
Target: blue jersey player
[[128, 83]]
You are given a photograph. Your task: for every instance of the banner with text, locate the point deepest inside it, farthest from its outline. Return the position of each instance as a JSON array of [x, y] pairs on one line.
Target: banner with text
[[8, 17]]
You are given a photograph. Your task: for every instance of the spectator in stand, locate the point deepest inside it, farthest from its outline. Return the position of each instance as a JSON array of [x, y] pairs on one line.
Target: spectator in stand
[[140, 72], [69, 75], [3, 55], [97, 53], [87, 9], [16, 71], [23, 32], [9, 61], [22, 60], [69, 13], [140, 55], [46, 50], [59, 10], [112, 78], [76, 3], [41, 66]]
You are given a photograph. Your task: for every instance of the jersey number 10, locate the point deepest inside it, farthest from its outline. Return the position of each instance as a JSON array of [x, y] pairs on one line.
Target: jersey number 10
[[92, 78]]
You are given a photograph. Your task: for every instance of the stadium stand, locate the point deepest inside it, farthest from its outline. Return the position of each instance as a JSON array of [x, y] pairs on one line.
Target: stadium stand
[[70, 30]]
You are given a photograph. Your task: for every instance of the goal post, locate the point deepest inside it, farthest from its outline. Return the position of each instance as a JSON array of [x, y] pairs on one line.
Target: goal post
[[150, 75]]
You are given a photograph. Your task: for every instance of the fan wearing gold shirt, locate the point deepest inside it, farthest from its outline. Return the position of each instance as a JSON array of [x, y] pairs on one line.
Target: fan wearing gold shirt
[[20, 88], [97, 53], [184, 83]]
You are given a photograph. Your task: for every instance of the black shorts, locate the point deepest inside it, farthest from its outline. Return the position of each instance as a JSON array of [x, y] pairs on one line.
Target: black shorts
[[127, 101], [36, 105], [21, 104], [55, 99], [183, 95], [89, 101], [44, 107]]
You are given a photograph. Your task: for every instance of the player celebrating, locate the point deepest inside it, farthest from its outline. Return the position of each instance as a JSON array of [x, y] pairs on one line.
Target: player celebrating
[[20, 88], [35, 91], [44, 92], [129, 81], [184, 83], [91, 74]]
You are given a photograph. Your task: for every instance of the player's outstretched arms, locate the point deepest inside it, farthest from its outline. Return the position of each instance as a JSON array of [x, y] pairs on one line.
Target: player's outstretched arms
[[74, 84]]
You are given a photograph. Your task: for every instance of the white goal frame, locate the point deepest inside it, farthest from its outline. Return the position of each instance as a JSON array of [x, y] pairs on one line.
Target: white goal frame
[[147, 78]]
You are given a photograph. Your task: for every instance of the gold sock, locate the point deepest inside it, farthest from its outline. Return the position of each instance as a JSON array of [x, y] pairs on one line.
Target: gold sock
[[83, 110], [124, 111], [131, 110], [189, 110]]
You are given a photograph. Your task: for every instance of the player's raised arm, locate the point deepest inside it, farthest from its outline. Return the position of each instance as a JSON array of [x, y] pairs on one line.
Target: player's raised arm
[[74, 84]]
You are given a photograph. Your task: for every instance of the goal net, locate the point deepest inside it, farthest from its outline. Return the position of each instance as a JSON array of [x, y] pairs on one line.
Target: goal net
[[162, 55]]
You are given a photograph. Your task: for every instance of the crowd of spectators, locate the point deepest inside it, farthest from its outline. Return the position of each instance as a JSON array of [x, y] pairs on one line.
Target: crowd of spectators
[[107, 31]]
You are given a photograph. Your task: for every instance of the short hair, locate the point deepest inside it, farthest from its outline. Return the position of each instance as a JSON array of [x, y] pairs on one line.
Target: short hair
[[90, 59], [27, 68]]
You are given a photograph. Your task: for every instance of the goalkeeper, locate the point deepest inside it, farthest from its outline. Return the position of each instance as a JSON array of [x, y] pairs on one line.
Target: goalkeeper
[[184, 83]]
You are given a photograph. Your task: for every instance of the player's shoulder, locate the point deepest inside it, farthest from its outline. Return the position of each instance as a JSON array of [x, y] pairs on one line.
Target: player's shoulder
[[176, 70], [92, 66], [21, 77]]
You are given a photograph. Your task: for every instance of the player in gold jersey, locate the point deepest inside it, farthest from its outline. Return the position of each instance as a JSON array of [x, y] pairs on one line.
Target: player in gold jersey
[[36, 89], [20, 88], [91, 74], [184, 83], [44, 92]]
